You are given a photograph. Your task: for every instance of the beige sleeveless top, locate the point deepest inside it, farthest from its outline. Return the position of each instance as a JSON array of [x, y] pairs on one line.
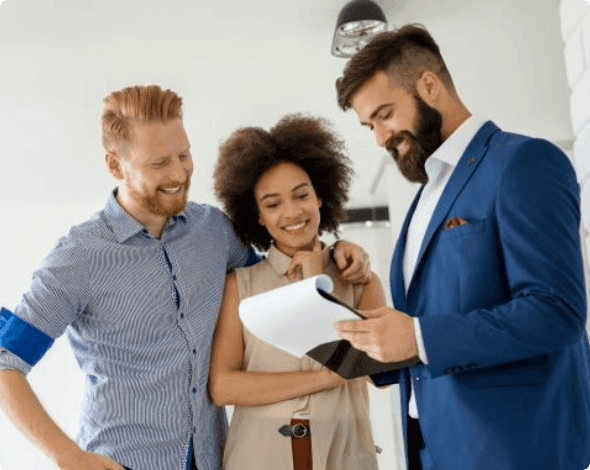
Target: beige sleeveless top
[[339, 418]]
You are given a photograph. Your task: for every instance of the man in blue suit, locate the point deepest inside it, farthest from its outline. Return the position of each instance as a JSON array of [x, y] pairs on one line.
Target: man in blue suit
[[487, 276]]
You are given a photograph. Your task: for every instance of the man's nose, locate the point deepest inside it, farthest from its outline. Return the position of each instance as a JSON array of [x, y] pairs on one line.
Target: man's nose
[[381, 136], [179, 170]]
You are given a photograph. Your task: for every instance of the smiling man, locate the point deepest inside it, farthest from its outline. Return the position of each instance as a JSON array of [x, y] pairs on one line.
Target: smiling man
[[486, 278], [137, 289], [154, 174]]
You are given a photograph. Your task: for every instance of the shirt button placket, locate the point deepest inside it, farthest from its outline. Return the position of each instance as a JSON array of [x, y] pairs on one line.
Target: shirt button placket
[[195, 379]]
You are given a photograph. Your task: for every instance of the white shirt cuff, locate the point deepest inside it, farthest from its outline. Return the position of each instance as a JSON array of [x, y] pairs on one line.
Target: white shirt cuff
[[420, 341]]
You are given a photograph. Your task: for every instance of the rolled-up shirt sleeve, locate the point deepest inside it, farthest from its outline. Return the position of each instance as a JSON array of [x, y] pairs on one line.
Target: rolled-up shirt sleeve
[[11, 361], [58, 294]]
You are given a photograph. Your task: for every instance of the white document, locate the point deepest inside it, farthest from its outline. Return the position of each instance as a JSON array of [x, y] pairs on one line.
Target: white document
[[295, 318]]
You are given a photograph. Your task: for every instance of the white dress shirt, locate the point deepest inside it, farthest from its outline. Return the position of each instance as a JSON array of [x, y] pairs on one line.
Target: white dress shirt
[[439, 167]]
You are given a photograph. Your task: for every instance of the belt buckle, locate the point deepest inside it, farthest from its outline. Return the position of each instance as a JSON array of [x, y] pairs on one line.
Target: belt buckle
[[294, 430], [299, 430]]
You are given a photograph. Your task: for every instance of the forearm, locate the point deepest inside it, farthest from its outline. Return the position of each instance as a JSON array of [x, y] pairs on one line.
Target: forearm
[[264, 388], [22, 407]]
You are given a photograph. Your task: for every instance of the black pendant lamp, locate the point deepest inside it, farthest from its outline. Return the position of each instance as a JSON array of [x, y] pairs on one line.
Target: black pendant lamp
[[358, 21]]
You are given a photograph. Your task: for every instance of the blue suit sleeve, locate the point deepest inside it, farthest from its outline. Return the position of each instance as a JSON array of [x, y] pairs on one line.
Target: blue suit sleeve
[[385, 378], [537, 209]]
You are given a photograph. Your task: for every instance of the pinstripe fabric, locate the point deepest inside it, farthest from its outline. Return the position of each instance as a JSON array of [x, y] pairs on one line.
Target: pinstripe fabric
[[139, 314]]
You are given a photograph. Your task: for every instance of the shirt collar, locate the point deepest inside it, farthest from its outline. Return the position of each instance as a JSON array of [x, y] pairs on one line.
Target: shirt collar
[[122, 224], [452, 149], [279, 261]]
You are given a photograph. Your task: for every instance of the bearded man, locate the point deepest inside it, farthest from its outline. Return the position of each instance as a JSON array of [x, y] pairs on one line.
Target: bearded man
[[487, 276]]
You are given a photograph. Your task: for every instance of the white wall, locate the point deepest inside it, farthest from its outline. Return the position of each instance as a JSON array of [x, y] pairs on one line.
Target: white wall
[[575, 29]]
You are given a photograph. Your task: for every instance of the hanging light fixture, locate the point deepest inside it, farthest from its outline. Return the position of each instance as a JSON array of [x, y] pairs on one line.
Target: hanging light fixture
[[357, 22]]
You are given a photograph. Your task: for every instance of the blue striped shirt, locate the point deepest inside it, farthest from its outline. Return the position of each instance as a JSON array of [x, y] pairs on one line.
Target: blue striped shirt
[[139, 314]]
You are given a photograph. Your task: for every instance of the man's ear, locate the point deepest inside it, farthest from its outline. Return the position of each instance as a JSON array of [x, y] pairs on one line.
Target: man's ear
[[113, 161], [429, 87]]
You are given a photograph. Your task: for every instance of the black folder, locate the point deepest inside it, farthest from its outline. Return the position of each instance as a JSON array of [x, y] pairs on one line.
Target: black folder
[[348, 362]]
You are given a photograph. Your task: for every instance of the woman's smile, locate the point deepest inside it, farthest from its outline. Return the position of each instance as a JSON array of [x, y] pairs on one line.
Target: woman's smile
[[296, 227]]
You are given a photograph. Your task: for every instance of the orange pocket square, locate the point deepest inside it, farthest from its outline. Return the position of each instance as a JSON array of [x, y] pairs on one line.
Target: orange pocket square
[[454, 223]]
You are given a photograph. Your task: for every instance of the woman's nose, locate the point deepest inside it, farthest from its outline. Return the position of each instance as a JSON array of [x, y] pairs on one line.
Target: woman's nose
[[292, 209]]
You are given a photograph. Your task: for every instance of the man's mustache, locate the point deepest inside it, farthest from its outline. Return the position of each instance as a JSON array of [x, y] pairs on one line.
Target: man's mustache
[[185, 185], [394, 141]]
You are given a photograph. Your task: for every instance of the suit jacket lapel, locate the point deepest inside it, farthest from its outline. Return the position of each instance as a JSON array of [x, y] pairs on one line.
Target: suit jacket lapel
[[463, 171], [396, 273]]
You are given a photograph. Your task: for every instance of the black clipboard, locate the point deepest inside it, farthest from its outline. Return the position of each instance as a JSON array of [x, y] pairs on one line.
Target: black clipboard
[[341, 357]]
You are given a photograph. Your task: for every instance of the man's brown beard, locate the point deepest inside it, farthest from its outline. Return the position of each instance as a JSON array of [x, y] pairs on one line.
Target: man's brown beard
[[428, 138]]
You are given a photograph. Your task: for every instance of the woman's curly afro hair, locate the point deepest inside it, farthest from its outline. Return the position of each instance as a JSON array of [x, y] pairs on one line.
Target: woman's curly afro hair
[[250, 151]]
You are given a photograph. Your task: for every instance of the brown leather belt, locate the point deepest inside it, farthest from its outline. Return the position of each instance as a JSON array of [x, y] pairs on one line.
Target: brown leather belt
[[300, 435]]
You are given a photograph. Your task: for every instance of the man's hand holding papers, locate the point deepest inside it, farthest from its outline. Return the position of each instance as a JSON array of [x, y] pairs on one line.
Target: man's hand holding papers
[[299, 319], [387, 335]]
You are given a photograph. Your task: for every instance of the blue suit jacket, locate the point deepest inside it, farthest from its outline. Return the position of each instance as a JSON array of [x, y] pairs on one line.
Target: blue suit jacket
[[502, 308]]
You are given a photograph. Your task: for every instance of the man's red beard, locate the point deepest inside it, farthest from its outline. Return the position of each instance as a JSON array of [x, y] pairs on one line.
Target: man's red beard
[[419, 146], [160, 204]]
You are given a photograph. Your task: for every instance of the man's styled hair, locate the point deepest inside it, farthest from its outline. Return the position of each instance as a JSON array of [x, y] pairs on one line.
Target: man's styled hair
[[136, 104], [404, 54], [250, 151]]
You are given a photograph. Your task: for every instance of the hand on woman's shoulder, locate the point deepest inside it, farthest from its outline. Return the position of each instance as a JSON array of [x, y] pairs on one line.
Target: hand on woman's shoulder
[[373, 295]]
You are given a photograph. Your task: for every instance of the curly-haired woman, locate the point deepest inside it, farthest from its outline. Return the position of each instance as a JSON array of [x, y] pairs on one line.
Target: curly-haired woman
[[282, 189]]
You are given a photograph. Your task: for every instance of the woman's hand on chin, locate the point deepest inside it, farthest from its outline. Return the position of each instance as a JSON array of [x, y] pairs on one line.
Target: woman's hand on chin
[[309, 263]]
